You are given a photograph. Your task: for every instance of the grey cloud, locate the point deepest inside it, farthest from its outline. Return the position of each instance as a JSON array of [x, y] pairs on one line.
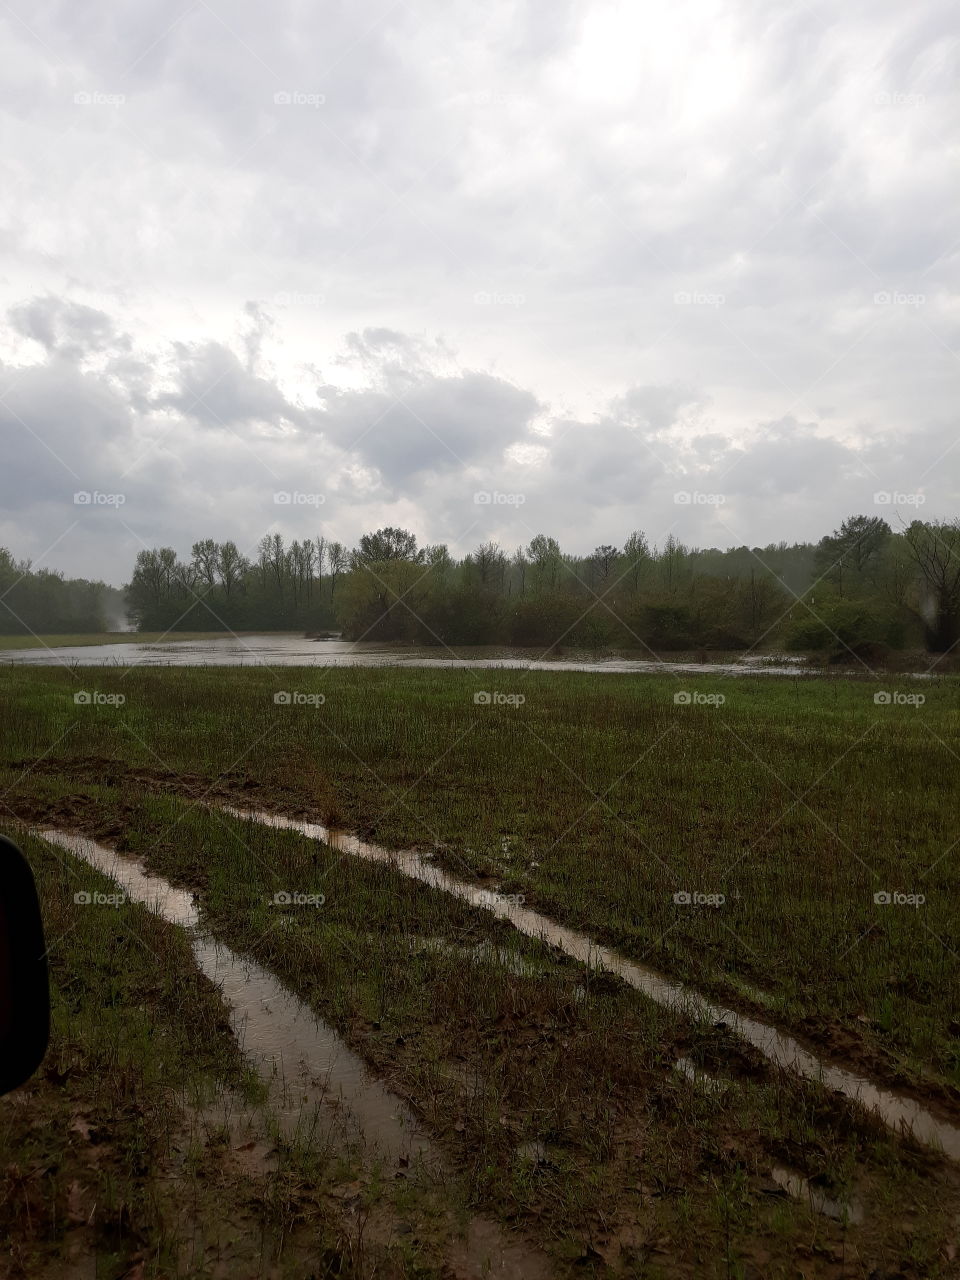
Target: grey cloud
[[60, 429], [789, 457], [576, 165], [432, 424], [68, 328], [214, 389]]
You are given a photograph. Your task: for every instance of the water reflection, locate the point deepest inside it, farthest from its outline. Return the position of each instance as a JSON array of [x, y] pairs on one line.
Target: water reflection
[[303, 1060], [288, 650], [899, 1112]]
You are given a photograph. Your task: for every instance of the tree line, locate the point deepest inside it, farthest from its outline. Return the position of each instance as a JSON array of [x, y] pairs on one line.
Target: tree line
[[44, 602], [863, 588]]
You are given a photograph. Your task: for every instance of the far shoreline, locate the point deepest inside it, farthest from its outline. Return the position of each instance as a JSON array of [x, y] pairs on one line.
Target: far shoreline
[[69, 640]]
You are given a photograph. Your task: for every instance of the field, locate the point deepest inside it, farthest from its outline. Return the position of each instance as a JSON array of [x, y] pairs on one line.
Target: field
[[732, 833]]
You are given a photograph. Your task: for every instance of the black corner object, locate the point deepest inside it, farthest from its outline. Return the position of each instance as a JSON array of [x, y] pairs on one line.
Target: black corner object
[[24, 985]]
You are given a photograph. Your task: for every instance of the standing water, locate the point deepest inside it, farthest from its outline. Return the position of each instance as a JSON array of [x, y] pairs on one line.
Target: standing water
[[303, 1061], [301, 651], [292, 1049], [902, 1114]]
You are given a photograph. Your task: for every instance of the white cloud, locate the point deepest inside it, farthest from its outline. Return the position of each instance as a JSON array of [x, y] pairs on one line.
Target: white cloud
[[451, 260]]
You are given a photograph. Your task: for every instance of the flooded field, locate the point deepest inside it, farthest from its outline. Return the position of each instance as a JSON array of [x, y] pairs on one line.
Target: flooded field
[[584, 978], [900, 1113], [304, 1062], [297, 651], [305, 1065]]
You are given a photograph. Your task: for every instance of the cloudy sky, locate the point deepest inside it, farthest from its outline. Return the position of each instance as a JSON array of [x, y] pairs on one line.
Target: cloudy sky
[[687, 268]]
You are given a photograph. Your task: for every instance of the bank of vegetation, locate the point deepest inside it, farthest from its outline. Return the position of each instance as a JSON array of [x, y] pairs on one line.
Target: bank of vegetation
[[862, 590]]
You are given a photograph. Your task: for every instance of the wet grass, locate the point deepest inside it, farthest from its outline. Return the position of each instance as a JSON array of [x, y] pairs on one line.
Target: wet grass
[[600, 800], [140, 1047], [144, 1146], [552, 1091]]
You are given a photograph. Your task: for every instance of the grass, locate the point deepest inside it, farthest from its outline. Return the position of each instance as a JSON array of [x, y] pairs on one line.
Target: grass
[[598, 799], [145, 1146], [139, 1049], [499, 1058]]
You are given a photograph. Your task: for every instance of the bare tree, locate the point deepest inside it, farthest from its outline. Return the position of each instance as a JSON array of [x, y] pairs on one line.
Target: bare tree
[[319, 550], [936, 549], [519, 566], [602, 563], [264, 553], [232, 566], [338, 560], [277, 559], [206, 556], [490, 563]]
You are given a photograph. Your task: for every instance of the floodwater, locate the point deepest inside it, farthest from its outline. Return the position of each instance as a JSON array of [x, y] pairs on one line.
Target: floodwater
[[299, 1056], [306, 1065], [900, 1113], [299, 651]]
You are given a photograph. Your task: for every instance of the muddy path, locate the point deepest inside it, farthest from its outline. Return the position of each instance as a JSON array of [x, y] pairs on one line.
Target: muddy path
[[901, 1113], [787, 1169], [835, 1052], [319, 1090]]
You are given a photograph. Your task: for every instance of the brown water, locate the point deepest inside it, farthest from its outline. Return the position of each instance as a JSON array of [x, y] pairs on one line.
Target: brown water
[[298, 651], [901, 1113], [304, 1061]]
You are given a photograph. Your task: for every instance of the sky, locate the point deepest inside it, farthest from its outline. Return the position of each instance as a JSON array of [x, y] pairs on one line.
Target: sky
[[481, 271]]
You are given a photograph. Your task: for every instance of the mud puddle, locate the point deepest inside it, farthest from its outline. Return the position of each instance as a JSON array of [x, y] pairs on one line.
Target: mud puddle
[[900, 1113], [802, 1188], [304, 1062], [307, 1067]]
